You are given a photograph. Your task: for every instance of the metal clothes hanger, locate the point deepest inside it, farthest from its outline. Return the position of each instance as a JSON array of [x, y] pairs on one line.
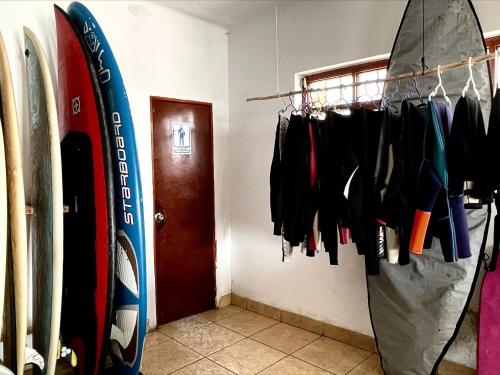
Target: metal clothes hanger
[[287, 105], [471, 79], [439, 86], [387, 100], [414, 90], [342, 99], [364, 94]]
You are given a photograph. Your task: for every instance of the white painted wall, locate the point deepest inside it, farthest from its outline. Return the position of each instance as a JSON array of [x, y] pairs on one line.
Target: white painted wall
[[312, 34], [160, 53]]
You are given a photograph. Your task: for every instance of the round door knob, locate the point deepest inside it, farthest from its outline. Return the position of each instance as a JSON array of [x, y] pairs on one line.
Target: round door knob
[[159, 217]]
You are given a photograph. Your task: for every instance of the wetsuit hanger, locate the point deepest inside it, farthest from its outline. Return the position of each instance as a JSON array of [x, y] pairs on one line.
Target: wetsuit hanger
[[388, 100], [414, 91], [439, 86], [342, 99], [287, 106], [471, 79]]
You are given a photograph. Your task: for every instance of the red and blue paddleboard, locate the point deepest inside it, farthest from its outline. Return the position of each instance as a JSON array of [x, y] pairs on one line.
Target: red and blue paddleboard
[[129, 316], [89, 226]]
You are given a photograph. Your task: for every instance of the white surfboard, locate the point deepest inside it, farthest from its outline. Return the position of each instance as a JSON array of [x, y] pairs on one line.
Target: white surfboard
[[16, 205], [47, 225], [3, 224]]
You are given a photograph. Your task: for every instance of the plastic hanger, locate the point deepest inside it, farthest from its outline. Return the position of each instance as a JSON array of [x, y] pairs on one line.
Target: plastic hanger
[[471, 79], [439, 86]]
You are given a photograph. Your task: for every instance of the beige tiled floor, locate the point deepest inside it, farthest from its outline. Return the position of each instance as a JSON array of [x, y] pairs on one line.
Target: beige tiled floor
[[236, 341]]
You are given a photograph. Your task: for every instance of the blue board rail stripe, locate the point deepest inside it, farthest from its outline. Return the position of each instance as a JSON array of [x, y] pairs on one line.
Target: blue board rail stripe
[[130, 303]]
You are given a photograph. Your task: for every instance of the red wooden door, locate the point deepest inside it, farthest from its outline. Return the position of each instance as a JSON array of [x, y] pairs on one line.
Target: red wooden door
[[184, 208]]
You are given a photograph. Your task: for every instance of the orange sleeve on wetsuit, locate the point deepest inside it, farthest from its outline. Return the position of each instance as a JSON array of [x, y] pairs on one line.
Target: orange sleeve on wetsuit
[[420, 224]]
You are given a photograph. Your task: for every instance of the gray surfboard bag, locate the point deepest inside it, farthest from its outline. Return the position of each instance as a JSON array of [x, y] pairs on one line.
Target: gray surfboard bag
[[417, 309]]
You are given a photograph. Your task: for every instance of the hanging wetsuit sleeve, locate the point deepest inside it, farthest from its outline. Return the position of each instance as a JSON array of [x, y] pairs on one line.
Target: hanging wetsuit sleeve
[[276, 188], [429, 186]]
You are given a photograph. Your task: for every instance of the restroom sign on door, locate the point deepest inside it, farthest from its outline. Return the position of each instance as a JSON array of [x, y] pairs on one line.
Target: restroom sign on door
[[181, 134]]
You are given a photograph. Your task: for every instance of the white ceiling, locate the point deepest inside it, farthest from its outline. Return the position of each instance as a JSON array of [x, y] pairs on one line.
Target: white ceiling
[[226, 13]]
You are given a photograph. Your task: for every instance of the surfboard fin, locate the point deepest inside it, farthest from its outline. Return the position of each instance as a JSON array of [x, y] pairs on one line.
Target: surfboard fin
[[68, 353], [32, 356]]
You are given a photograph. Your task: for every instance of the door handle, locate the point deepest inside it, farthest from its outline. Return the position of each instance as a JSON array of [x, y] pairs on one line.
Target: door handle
[[159, 217]]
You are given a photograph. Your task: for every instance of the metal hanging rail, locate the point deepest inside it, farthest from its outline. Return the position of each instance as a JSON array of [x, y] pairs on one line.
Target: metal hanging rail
[[443, 68]]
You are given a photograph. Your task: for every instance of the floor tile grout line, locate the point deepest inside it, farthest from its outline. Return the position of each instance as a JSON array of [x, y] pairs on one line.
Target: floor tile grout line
[[281, 351], [188, 348], [302, 347], [321, 335], [218, 364], [227, 317], [189, 364], [359, 364], [158, 343], [305, 360], [188, 330], [272, 364], [312, 364], [249, 338], [277, 322], [298, 359], [217, 351], [255, 333]]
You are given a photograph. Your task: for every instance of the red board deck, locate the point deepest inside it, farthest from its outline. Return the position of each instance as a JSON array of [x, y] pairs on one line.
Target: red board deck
[[89, 228]]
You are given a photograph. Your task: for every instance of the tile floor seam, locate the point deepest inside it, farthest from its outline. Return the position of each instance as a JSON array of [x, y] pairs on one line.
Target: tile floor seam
[[189, 330], [218, 364], [298, 359], [277, 322], [158, 343], [272, 325], [250, 337], [272, 364], [258, 342], [308, 330], [288, 354], [316, 339], [187, 347], [189, 364], [206, 356], [358, 365], [352, 346], [227, 317], [331, 372]]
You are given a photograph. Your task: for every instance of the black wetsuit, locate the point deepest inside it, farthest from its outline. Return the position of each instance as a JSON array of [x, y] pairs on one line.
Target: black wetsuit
[[295, 172], [365, 131], [276, 176], [467, 149]]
